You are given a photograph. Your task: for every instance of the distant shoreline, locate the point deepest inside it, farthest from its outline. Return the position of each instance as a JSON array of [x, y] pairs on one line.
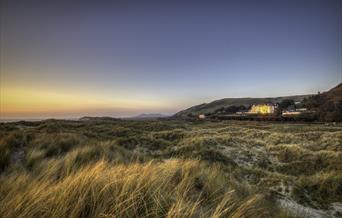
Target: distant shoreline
[[18, 120], [33, 119]]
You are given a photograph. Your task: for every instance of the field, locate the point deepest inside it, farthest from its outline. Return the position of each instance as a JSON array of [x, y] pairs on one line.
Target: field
[[170, 168]]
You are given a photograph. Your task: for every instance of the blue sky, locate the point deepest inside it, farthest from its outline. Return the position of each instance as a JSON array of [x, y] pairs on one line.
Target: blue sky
[[122, 59]]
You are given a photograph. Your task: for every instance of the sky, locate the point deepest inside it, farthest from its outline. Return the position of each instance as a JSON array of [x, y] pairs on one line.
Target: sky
[[68, 60]]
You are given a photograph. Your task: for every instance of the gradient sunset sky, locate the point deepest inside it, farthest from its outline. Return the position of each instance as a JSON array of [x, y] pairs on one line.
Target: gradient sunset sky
[[67, 60]]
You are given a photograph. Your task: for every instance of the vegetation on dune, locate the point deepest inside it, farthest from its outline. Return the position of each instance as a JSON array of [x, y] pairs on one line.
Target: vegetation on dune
[[323, 188], [168, 168], [174, 188]]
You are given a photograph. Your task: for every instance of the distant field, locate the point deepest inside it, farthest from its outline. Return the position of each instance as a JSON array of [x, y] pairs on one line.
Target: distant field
[[171, 168]]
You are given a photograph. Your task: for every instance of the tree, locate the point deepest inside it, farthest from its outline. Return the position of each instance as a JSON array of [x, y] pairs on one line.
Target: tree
[[286, 103], [234, 109]]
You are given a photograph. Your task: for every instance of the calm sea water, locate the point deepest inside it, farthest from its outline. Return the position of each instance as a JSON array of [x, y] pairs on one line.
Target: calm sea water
[[32, 119]]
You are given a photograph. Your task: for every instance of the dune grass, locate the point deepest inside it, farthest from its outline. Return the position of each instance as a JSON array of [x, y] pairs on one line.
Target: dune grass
[[173, 188], [121, 168]]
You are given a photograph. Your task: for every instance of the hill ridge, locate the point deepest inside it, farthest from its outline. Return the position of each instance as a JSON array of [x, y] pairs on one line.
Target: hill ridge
[[247, 101]]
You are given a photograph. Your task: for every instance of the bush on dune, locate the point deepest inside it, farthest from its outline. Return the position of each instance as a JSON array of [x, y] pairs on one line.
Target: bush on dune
[[57, 144], [5, 154], [170, 135], [324, 188], [8, 143]]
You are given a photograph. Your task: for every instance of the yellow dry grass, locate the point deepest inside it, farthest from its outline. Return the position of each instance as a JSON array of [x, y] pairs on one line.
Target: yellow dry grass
[[174, 188]]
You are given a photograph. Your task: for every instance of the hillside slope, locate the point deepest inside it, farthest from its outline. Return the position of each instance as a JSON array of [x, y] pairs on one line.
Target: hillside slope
[[334, 94], [226, 102], [328, 105]]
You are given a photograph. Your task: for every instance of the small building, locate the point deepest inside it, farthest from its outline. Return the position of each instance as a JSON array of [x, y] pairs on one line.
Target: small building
[[302, 109], [201, 116], [294, 112], [241, 112], [265, 108], [289, 113]]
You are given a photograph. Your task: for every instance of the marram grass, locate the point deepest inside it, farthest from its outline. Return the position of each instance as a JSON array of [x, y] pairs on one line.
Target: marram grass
[[174, 188], [171, 168]]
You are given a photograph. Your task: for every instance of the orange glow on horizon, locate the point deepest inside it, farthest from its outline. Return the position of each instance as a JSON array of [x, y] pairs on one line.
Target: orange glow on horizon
[[28, 101]]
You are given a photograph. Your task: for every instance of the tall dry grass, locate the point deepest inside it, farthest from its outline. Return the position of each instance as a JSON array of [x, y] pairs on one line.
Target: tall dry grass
[[174, 188], [102, 168]]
